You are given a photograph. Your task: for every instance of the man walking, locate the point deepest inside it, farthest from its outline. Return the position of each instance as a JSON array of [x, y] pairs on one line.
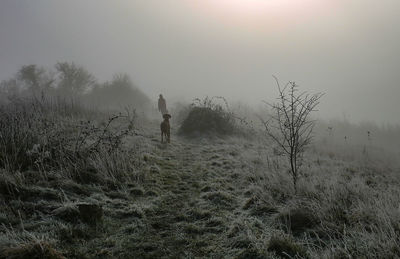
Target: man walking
[[162, 105]]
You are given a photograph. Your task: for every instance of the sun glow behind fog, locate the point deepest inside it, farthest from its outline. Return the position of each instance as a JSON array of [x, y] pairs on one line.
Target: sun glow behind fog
[[263, 7], [264, 14]]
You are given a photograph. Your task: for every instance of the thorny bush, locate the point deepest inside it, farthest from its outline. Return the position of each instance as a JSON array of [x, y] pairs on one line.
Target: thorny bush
[[38, 135]]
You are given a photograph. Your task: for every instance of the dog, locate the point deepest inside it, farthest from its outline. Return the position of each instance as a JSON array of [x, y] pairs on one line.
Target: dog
[[165, 128]]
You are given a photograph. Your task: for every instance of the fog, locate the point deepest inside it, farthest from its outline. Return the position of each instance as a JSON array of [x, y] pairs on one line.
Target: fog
[[350, 50]]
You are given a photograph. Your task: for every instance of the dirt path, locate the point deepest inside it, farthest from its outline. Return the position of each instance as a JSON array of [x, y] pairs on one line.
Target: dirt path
[[191, 205]]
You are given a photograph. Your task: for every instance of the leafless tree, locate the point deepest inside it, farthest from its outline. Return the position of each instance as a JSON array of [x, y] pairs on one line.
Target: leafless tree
[[36, 80], [290, 125], [73, 80]]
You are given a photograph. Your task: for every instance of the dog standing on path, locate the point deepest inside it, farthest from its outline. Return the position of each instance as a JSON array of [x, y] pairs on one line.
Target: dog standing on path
[[165, 128]]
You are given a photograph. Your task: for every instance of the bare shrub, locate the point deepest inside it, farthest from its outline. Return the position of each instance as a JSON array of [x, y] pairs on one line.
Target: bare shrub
[[290, 126], [37, 134]]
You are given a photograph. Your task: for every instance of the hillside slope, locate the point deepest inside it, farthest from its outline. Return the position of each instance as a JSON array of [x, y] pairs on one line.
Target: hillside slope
[[207, 198]]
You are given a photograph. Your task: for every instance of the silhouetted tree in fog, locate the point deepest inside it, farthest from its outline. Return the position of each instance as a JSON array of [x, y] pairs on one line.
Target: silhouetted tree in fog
[[73, 80], [30, 75], [9, 89], [34, 79], [119, 92]]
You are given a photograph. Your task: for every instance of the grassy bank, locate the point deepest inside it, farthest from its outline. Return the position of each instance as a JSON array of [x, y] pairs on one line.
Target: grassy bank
[[77, 183]]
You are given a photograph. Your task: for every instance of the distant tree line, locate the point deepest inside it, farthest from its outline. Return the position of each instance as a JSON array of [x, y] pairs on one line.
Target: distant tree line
[[71, 81]]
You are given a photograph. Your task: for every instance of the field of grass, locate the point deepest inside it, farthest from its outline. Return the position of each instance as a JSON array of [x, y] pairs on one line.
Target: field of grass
[[77, 183]]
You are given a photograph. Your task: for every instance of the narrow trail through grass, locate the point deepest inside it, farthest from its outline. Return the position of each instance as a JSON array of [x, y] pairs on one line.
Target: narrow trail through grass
[[204, 198], [189, 206]]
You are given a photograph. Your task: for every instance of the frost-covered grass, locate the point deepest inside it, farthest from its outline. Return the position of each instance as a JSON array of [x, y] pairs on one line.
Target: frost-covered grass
[[220, 197], [343, 208]]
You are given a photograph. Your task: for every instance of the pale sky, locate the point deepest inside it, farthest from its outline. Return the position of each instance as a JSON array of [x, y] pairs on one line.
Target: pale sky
[[349, 49]]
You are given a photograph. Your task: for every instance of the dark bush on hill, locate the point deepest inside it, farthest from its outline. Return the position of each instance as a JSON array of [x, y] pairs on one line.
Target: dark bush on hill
[[208, 117]]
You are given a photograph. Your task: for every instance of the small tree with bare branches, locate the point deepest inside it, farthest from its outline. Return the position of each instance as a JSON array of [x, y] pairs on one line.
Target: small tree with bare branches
[[290, 125]]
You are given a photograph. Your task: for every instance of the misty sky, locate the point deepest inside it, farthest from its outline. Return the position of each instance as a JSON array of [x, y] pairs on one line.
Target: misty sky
[[349, 49]]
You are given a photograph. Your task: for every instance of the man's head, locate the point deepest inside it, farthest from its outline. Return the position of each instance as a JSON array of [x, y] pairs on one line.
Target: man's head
[[161, 96]]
